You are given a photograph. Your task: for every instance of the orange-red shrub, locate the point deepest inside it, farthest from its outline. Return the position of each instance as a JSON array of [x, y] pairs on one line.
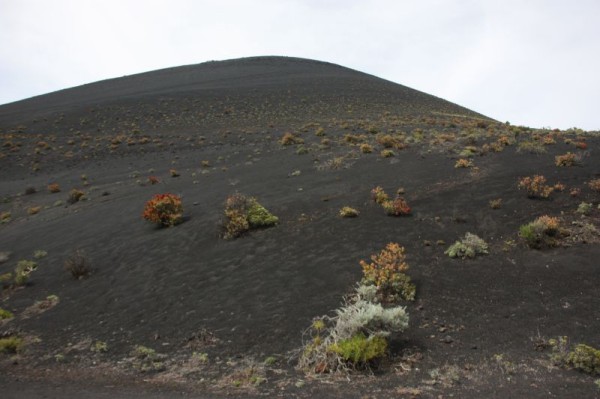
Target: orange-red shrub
[[397, 207], [568, 159], [164, 210], [386, 273], [594, 184], [53, 187], [535, 186]]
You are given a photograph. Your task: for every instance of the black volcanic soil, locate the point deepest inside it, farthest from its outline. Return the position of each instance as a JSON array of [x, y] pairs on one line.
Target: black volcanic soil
[[184, 291]]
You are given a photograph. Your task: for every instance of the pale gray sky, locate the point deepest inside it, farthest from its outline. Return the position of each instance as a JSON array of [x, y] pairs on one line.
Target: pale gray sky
[[530, 62]]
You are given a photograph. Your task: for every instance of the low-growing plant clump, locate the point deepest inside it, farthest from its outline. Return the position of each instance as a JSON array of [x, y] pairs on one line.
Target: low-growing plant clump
[[366, 148], [23, 271], [585, 208], [290, 138], [535, 186], [463, 163], [11, 344], [352, 339], [584, 358], [5, 314], [378, 195], [164, 210], [245, 213], [594, 185], [53, 188], [568, 159], [542, 232], [75, 195], [386, 272], [387, 153], [348, 212], [396, 207], [146, 359], [496, 203], [78, 265], [469, 247], [357, 336]]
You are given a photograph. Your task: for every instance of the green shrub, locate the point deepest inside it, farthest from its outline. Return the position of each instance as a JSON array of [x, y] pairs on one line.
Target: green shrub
[[585, 208], [585, 358], [336, 340], [359, 349], [243, 213], [469, 247], [11, 344], [5, 314], [99, 347], [259, 216], [23, 271], [379, 195], [543, 231], [146, 359]]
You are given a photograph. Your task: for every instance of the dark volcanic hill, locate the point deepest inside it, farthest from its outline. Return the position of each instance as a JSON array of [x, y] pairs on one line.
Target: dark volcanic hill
[[323, 88], [226, 317]]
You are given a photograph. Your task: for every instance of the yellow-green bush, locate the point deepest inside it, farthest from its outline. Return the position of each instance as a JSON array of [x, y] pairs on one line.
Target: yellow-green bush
[[11, 344], [243, 213], [359, 349], [5, 314], [585, 358]]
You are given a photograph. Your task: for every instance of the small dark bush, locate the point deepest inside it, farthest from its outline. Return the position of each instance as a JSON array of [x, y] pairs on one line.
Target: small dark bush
[[78, 265], [74, 196]]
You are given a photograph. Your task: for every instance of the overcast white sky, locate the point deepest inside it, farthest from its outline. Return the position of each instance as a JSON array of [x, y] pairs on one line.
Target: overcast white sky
[[530, 62]]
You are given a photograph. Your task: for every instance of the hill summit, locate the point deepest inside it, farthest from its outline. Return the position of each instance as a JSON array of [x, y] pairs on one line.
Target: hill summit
[[313, 88]]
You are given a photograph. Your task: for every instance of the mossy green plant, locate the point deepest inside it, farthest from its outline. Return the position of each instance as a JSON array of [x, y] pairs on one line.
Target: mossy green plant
[[585, 358], [259, 216], [359, 349], [5, 314], [11, 344]]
